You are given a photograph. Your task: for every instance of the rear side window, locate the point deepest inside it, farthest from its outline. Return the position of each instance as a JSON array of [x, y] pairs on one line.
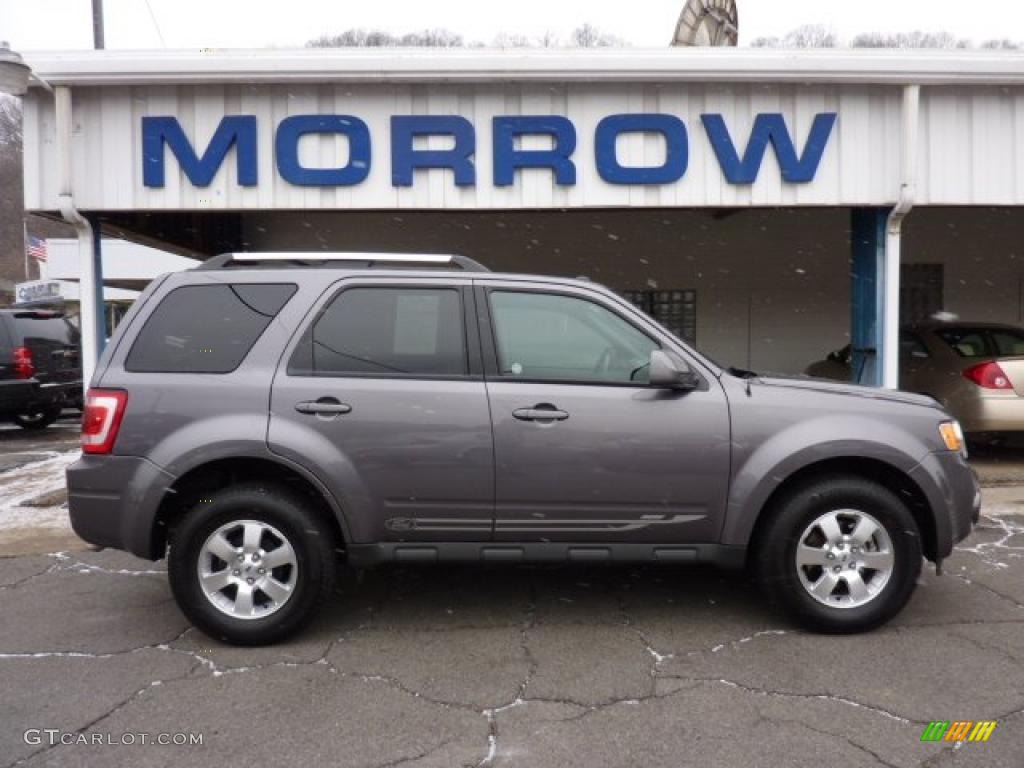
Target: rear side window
[[206, 328], [966, 342], [385, 331], [30, 327]]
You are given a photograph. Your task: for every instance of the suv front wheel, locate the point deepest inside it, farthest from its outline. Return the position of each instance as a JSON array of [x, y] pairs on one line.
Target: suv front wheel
[[842, 554], [251, 564]]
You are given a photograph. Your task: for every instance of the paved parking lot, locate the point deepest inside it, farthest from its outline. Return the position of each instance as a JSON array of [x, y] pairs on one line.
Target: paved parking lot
[[515, 667]]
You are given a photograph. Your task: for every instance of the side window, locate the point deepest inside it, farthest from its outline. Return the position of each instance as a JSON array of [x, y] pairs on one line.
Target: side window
[[1008, 342], [966, 342], [206, 328], [365, 331], [911, 347], [564, 338]]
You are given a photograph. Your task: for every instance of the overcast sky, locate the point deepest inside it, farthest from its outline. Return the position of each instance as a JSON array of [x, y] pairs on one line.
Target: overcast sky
[[54, 24]]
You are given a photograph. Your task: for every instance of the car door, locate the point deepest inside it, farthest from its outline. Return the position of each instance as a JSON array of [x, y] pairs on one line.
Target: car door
[[584, 449], [382, 396]]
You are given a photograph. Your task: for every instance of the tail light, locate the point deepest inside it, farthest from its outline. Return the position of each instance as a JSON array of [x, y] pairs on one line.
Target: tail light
[[101, 418], [24, 367], [988, 376]]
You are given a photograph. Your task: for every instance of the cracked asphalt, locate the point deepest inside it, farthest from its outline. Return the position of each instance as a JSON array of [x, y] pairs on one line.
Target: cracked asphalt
[[517, 667], [479, 667]]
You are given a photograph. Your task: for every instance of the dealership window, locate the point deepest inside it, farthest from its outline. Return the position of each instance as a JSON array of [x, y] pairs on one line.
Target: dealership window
[[921, 288], [544, 336], [385, 331], [206, 328], [676, 310]]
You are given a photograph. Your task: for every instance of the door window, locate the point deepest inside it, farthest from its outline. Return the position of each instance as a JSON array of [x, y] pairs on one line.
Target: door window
[[543, 336], [385, 331], [1008, 342]]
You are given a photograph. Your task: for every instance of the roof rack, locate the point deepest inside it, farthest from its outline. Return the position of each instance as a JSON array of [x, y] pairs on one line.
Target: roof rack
[[321, 259]]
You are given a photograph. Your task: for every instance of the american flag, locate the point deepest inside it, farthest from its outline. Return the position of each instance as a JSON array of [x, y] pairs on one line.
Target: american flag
[[36, 248]]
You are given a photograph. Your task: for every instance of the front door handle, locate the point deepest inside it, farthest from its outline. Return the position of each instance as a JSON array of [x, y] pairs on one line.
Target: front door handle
[[540, 412], [324, 406]]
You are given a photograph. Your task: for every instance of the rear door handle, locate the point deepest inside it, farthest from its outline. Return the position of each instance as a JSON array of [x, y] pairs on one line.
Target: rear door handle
[[324, 406], [540, 412]]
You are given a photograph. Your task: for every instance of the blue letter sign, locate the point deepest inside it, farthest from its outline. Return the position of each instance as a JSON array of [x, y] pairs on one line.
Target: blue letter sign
[[238, 130], [286, 145], [677, 151], [507, 158], [405, 158], [769, 128]]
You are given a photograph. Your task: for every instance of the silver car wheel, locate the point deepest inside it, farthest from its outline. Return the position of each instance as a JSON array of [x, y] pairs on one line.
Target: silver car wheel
[[247, 569], [844, 558]]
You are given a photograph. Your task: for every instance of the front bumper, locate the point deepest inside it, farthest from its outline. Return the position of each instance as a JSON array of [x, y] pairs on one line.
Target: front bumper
[[951, 487], [113, 502]]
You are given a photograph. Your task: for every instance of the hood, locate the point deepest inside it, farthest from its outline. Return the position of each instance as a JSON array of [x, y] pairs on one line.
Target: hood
[[839, 388]]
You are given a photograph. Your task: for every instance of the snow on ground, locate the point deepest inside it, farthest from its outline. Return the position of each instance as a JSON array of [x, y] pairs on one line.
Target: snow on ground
[[28, 481]]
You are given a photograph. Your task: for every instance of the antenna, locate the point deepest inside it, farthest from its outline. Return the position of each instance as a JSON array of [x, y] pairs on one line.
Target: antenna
[[708, 23]]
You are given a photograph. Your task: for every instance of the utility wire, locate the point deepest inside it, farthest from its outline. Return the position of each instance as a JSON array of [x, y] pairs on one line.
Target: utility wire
[[156, 24]]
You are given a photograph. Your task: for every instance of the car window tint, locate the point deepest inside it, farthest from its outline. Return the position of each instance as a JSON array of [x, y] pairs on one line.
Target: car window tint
[[205, 328], [29, 327], [911, 346], [966, 342], [1008, 342], [564, 338], [390, 331]]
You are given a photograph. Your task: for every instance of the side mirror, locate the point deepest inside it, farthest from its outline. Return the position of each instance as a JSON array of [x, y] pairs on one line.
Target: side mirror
[[670, 373]]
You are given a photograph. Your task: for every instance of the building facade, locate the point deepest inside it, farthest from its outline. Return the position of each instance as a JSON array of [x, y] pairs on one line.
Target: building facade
[[764, 204]]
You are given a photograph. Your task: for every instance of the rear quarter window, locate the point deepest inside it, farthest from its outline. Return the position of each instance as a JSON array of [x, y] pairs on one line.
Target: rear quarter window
[[206, 328], [29, 327]]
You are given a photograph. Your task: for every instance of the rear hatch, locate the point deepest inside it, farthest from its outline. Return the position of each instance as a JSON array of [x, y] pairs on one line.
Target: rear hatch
[[53, 343]]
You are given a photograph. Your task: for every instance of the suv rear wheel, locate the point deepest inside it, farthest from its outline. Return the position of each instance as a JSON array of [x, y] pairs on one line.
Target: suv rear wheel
[[39, 417], [841, 555], [251, 564]]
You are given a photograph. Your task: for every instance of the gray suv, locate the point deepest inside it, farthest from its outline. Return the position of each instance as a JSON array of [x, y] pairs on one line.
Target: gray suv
[[265, 417]]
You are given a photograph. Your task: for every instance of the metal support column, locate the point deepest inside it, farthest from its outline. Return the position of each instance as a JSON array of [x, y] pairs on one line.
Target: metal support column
[[867, 241], [100, 315]]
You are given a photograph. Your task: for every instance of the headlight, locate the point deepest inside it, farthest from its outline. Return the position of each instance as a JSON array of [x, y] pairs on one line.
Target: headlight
[[952, 436]]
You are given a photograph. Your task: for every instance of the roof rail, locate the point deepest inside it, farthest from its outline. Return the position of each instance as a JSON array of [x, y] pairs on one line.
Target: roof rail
[[325, 258]]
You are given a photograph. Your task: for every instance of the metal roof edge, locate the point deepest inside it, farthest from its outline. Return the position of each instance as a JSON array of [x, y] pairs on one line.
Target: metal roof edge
[[404, 65]]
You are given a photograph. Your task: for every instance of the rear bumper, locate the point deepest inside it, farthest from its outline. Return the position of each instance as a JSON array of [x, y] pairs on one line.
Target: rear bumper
[[991, 414], [954, 496], [113, 501], [21, 396]]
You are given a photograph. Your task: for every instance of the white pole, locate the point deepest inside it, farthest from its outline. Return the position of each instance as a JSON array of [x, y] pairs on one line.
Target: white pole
[[893, 237], [87, 265]]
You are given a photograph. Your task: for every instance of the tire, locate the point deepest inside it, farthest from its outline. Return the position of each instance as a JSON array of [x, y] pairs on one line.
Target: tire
[[802, 517], [38, 418], [275, 518]]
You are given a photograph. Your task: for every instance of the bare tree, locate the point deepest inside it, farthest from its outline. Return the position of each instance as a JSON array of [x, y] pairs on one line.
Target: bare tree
[[376, 38], [589, 36], [807, 36], [1002, 45], [915, 39], [506, 40], [10, 123]]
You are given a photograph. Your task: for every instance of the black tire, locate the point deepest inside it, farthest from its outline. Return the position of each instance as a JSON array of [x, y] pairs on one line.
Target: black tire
[[39, 417], [285, 511], [775, 553]]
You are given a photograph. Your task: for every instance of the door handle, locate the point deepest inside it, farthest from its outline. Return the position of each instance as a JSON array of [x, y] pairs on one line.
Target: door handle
[[323, 406], [540, 412]]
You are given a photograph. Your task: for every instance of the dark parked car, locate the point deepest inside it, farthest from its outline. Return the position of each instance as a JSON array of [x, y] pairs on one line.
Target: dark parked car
[[260, 416], [40, 366]]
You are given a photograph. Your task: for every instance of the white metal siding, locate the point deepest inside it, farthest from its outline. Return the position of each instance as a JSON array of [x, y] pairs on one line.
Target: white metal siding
[[970, 145]]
